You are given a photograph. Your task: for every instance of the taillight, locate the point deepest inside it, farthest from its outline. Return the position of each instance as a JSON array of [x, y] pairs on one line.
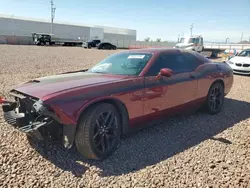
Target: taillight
[[2, 100]]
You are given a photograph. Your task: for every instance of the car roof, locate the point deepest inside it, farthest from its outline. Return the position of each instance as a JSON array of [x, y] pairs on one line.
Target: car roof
[[155, 50]]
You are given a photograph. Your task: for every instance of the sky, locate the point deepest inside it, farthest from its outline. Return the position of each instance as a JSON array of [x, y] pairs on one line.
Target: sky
[[215, 20]]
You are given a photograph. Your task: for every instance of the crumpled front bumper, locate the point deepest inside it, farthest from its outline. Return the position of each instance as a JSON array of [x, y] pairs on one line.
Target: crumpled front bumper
[[22, 123], [32, 116]]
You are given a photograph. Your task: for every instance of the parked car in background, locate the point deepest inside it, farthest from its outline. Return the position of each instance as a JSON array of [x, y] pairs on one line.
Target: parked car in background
[[106, 45], [120, 94], [240, 63], [90, 44]]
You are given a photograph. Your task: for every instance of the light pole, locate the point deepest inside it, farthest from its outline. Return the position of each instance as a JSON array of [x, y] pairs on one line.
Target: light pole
[[241, 38], [53, 9], [178, 38], [191, 29]]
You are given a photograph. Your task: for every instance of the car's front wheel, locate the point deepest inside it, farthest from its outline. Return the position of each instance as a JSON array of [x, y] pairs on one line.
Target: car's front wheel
[[99, 131], [215, 98]]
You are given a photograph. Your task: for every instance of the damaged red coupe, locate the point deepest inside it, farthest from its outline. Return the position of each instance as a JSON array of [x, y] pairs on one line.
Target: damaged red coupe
[[93, 108]]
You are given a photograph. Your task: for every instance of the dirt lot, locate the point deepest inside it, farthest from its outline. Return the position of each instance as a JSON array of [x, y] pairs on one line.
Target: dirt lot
[[199, 150]]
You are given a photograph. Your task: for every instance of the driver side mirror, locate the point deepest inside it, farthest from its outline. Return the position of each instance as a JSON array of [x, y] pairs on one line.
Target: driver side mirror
[[164, 72]]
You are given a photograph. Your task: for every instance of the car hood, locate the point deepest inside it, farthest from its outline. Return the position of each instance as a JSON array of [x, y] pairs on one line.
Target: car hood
[[45, 86], [238, 59]]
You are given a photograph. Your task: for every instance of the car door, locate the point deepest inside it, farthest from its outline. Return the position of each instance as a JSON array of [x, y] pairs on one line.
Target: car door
[[108, 46], [169, 92], [105, 45]]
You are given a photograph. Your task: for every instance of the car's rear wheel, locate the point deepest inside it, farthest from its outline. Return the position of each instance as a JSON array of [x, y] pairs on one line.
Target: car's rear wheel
[[99, 131], [215, 98]]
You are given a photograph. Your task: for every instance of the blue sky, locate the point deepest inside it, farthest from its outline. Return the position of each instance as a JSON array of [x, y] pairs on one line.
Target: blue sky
[[214, 19]]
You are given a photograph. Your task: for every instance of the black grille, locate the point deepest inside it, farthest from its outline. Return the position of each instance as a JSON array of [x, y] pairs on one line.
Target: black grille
[[238, 64], [242, 71], [246, 65], [11, 117]]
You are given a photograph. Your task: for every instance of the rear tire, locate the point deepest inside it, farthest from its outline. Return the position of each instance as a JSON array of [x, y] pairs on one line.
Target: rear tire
[[215, 98], [99, 131]]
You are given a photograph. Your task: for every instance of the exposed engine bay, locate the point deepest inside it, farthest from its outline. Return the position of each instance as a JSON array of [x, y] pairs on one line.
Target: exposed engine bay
[[31, 116]]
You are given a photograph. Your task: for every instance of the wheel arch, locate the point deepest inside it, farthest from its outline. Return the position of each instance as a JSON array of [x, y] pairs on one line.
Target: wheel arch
[[218, 81], [120, 107]]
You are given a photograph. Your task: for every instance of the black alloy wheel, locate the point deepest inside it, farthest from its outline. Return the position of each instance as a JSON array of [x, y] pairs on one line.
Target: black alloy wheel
[[99, 132], [105, 131], [215, 98]]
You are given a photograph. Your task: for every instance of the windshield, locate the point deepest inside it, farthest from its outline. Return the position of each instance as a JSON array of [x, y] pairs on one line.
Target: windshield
[[245, 54], [122, 64], [187, 40]]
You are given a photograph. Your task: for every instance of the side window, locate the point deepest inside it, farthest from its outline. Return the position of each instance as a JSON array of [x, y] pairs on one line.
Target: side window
[[171, 61], [191, 61], [197, 41], [157, 66], [248, 54], [201, 58], [200, 41], [178, 63]]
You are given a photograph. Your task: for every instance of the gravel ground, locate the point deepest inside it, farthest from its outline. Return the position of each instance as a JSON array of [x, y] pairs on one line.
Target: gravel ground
[[198, 150]]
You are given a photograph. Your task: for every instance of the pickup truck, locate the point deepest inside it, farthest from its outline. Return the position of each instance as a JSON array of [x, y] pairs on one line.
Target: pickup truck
[[195, 43]]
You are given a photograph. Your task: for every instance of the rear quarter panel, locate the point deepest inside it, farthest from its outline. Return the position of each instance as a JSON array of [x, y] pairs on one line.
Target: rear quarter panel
[[210, 73]]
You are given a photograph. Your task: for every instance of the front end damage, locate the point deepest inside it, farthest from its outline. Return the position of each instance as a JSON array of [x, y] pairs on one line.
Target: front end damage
[[31, 116]]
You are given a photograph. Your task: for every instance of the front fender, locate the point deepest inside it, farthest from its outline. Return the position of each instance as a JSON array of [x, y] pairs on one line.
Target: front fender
[[89, 103]]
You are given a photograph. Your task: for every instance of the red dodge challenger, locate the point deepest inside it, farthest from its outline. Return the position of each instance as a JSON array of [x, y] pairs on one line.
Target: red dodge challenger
[[93, 108]]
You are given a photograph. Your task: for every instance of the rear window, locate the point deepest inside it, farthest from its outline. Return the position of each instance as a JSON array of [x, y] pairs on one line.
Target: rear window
[[200, 57]]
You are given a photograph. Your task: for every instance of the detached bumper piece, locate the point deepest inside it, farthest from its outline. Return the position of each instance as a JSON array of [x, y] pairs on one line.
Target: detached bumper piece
[[37, 119], [32, 127], [28, 123], [11, 117], [14, 119]]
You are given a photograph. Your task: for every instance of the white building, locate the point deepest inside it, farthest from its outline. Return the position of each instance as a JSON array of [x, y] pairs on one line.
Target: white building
[[18, 30]]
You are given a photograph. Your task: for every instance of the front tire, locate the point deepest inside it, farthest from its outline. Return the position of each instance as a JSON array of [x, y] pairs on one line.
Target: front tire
[[99, 132], [215, 98]]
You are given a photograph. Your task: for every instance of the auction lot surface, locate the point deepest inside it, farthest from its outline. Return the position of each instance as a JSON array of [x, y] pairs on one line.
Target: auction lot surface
[[198, 150]]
